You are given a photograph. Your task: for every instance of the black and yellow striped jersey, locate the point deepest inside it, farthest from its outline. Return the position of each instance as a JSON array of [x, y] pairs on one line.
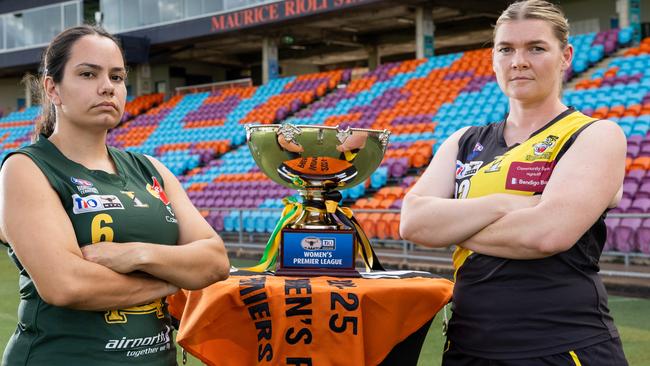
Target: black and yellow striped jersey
[[130, 206], [509, 309]]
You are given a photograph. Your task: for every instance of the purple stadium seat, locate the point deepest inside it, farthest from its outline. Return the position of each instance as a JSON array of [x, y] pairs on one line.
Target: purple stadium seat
[[645, 148], [212, 216], [219, 202], [630, 187], [396, 205], [636, 175], [643, 237], [624, 235], [635, 140], [610, 46], [622, 205], [217, 223], [639, 205], [645, 179], [228, 202], [407, 181], [399, 167], [238, 194], [633, 150], [611, 223], [644, 190]]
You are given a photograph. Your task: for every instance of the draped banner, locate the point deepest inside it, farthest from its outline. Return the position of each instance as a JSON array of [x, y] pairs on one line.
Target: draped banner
[[253, 319]]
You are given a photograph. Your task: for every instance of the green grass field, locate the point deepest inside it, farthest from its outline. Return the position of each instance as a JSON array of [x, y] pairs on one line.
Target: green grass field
[[632, 318]]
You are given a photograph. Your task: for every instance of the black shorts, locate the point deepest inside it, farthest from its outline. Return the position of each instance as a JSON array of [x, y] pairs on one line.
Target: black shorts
[[608, 353]]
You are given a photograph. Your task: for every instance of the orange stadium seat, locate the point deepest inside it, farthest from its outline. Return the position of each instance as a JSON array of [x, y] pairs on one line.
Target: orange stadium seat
[[642, 162], [382, 226]]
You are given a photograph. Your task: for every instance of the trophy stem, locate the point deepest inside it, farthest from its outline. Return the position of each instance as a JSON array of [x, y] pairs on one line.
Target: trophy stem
[[315, 215]]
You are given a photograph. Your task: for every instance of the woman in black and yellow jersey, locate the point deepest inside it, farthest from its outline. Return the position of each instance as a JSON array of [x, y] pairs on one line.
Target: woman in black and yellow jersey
[[100, 236], [524, 200]]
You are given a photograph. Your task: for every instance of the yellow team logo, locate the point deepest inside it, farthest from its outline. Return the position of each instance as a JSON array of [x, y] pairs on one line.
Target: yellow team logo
[[119, 316], [543, 149]]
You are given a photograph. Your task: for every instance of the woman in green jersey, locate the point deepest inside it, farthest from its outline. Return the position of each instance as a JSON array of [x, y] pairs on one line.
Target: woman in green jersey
[[100, 236], [523, 200]]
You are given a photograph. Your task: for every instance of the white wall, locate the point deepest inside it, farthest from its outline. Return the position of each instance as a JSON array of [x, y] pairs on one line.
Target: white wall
[[160, 73], [602, 10], [290, 68], [10, 91], [586, 10]]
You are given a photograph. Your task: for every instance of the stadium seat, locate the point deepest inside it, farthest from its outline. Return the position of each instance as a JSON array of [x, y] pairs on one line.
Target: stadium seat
[[635, 176], [643, 237], [639, 205], [624, 235], [630, 187], [611, 223], [623, 205]]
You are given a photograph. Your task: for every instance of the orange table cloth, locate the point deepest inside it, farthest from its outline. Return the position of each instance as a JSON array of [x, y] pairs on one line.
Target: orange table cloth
[[253, 319]]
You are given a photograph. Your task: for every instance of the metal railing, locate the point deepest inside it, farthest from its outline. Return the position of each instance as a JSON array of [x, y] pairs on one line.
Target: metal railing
[[404, 250], [212, 87]]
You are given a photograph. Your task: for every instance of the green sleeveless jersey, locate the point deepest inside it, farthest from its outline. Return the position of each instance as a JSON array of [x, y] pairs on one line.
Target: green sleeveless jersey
[[130, 206]]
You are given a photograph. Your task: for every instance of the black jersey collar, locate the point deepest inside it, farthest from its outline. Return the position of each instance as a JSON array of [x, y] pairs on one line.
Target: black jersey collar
[[502, 126]]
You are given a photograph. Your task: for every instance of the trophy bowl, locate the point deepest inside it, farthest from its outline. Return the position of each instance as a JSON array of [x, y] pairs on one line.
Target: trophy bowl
[[317, 161]]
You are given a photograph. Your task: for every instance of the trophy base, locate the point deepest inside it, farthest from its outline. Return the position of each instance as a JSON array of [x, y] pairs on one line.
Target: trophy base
[[309, 252], [303, 272]]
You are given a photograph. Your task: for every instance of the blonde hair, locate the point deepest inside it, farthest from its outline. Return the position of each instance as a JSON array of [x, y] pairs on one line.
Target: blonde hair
[[541, 10]]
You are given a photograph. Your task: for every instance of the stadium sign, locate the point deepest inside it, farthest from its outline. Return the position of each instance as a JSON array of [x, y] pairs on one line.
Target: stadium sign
[[279, 11]]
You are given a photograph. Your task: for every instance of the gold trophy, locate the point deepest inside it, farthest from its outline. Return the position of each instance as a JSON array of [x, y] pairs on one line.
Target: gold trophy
[[317, 237]]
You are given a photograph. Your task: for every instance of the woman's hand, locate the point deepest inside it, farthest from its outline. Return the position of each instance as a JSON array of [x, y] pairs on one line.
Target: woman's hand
[[120, 257]]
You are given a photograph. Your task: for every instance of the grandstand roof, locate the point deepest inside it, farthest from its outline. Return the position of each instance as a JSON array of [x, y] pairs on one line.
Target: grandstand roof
[[343, 36], [328, 36]]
